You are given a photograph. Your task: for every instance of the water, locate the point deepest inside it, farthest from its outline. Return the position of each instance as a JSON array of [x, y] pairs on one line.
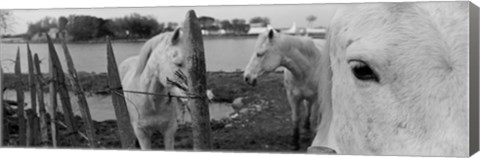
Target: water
[[101, 107], [226, 54]]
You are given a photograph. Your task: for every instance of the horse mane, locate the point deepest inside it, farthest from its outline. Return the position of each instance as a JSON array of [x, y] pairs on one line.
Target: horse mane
[[148, 48], [305, 45]]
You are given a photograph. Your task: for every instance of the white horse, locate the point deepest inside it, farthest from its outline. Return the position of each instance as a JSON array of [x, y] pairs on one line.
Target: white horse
[[400, 80], [159, 59], [303, 62]]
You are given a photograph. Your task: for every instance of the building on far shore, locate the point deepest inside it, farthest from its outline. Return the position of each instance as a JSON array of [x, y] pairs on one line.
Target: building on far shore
[[292, 30], [318, 32], [53, 33], [213, 32], [256, 28]]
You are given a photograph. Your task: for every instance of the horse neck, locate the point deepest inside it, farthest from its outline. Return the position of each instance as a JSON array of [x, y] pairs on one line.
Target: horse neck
[[149, 79], [300, 56]]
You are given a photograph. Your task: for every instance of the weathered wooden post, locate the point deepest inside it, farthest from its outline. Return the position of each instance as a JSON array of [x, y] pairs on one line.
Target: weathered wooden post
[[82, 101], [20, 100], [33, 125], [125, 129], [63, 92], [53, 101], [41, 103], [196, 68], [29, 126], [2, 135]]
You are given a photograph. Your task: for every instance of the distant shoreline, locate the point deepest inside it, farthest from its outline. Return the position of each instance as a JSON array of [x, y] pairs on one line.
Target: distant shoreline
[[140, 40], [103, 40]]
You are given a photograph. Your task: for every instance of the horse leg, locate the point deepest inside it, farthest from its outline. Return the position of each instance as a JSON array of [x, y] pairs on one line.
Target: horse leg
[[143, 137], [295, 105], [169, 135]]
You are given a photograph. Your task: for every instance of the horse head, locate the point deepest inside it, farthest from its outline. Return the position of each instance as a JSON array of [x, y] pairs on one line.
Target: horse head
[[164, 57], [266, 56], [400, 78]]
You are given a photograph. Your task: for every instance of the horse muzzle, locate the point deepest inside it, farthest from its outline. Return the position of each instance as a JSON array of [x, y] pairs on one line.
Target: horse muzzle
[[250, 80], [321, 150]]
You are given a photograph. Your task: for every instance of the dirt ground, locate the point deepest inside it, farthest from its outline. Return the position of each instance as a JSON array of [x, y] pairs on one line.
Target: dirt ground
[[262, 124]]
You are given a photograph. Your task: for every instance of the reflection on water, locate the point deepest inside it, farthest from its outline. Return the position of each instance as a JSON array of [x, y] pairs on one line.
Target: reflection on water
[[101, 107]]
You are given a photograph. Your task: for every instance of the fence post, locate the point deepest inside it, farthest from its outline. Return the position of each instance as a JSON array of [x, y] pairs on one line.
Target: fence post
[[125, 129], [33, 96], [20, 101], [41, 103], [197, 81], [29, 126], [63, 92], [2, 125], [53, 101], [82, 101]]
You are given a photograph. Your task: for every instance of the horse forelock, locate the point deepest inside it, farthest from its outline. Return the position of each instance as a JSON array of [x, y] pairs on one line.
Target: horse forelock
[[430, 23], [161, 40]]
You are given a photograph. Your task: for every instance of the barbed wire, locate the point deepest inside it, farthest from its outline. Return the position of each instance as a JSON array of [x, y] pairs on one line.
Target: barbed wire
[[121, 90]]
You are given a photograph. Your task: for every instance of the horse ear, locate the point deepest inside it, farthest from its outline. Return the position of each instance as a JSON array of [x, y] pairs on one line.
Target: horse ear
[[271, 33], [176, 36]]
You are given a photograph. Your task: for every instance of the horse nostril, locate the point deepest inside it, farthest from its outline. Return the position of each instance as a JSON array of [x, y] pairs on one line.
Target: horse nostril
[[254, 82], [246, 79]]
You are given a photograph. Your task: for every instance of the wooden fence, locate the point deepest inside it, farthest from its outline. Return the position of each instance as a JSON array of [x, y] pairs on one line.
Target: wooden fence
[[34, 123]]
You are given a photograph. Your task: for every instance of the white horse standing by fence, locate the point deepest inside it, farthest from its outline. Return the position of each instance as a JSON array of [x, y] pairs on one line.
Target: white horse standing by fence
[[160, 58], [400, 79], [304, 65]]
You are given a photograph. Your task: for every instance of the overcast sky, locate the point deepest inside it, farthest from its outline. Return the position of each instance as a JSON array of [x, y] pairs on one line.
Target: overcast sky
[[280, 15]]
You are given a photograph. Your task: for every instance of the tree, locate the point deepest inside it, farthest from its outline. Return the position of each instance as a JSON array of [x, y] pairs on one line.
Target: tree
[[311, 19], [83, 27], [239, 26], [171, 26], [62, 25], [41, 26], [264, 21], [138, 26], [226, 25], [206, 21], [6, 21], [133, 26]]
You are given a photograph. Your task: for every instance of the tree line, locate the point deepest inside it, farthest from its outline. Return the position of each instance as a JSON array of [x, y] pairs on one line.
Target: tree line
[[133, 26], [85, 27]]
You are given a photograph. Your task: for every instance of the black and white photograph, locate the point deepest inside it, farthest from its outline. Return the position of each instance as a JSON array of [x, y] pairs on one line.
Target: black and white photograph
[[374, 78]]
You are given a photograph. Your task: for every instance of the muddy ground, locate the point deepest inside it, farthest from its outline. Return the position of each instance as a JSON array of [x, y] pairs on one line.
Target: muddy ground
[[262, 123]]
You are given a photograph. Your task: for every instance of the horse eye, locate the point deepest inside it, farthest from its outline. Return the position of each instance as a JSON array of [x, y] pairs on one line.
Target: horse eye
[[260, 54], [362, 71], [179, 64]]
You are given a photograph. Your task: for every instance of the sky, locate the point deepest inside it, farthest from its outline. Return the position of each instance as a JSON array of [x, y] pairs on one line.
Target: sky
[[281, 16]]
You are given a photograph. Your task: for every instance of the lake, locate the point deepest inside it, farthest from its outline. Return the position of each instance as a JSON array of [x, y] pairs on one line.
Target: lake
[[225, 54]]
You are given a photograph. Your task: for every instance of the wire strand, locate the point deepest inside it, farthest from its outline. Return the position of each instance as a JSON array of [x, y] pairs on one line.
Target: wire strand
[[120, 90]]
